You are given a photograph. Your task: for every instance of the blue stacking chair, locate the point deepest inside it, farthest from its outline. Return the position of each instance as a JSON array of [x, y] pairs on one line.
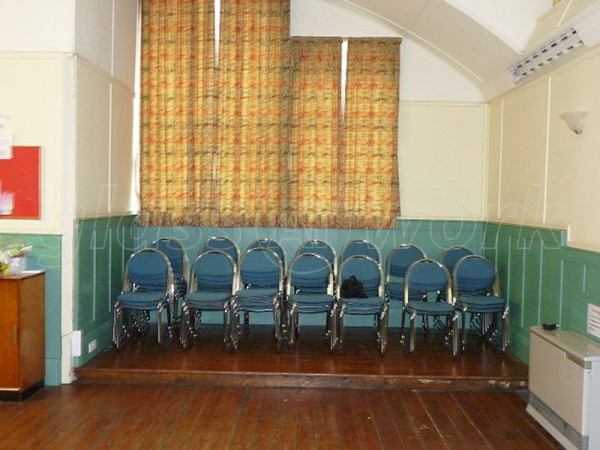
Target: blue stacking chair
[[425, 277], [147, 286], [320, 248], [310, 291], [397, 263], [213, 282], [452, 255], [368, 271], [223, 244], [360, 247], [173, 249], [272, 245], [261, 289], [477, 290], [449, 259]]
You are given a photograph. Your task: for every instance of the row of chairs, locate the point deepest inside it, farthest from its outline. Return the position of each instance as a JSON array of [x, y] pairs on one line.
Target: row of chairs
[[222, 280]]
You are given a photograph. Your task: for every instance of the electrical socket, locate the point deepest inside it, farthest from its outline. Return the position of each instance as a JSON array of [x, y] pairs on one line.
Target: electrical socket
[[92, 345]]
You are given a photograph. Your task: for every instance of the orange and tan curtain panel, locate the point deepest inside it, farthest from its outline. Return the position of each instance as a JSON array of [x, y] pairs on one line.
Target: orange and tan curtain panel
[[252, 109], [178, 112], [258, 138], [315, 133], [369, 165]]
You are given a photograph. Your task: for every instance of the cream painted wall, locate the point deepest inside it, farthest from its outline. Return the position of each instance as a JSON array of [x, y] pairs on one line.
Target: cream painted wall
[[32, 88], [548, 174], [36, 25], [522, 184], [442, 160]]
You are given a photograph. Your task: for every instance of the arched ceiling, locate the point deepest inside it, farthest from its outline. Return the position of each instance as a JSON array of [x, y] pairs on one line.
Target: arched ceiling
[[483, 38]]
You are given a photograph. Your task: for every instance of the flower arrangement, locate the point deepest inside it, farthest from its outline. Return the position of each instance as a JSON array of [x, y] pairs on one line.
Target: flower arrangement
[[9, 254]]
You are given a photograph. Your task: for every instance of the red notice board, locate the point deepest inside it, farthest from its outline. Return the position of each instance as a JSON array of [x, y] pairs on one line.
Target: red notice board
[[20, 184]]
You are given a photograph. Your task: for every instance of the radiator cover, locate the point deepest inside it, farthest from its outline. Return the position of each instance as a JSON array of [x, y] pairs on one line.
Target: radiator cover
[[564, 386]]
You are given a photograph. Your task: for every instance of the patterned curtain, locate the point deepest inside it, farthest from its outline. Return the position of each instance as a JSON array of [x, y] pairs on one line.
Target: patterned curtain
[[253, 113], [368, 164], [178, 120], [314, 134]]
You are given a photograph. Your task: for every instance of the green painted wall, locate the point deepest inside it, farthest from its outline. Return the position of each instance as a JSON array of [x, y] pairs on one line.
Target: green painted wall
[[432, 236], [102, 249], [543, 280], [46, 255]]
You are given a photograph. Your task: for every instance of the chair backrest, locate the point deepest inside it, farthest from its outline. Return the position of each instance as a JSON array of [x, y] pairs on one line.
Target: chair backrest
[[176, 255], [424, 276], [451, 256], [214, 270], [366, 270], [261, 268], [148, 270], [475, 275], [270, 244], [221, 243], [400, 258], [360, 247], [320, 248], [310, 273]]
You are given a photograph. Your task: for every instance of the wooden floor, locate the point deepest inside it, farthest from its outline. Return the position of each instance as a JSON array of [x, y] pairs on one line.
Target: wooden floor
[[171, 416], [302, 398], [310, 363]]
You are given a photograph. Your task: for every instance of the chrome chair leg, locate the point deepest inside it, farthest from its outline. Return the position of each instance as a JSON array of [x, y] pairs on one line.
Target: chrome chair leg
[[412, 332], [333, 339], [341, 330], [186, 326], [454, 333], [383, 329]]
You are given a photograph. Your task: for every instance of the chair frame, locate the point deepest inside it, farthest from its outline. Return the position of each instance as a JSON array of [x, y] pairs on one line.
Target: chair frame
[[449, 330], [292, 307], [141, 316], [180, 290], [278, 307], [191, 316], [488, 322], [381, 318]]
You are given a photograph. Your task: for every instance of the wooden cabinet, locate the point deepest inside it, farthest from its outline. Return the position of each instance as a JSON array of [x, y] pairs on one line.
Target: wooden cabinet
[[22, 343]]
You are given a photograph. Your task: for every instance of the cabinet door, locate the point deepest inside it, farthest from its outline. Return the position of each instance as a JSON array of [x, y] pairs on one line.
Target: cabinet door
[[9, 334]]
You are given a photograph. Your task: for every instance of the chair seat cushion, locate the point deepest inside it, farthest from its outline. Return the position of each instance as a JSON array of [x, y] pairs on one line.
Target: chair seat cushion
[[481, 303], [370, 305], [265, 293], [430, 308], [208, 300], [257, 300], [312, 302], [141, 300]]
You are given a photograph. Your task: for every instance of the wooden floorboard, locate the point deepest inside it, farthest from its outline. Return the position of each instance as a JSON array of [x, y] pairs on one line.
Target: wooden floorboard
[[223, 417], [310, 363], [205, 397]]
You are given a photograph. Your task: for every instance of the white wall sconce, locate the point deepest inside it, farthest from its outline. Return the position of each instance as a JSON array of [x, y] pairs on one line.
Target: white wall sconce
[[574, 120]]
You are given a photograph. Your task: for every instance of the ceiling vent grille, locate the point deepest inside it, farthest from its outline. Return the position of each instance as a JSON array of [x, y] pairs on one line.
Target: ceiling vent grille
[[546, 56]]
